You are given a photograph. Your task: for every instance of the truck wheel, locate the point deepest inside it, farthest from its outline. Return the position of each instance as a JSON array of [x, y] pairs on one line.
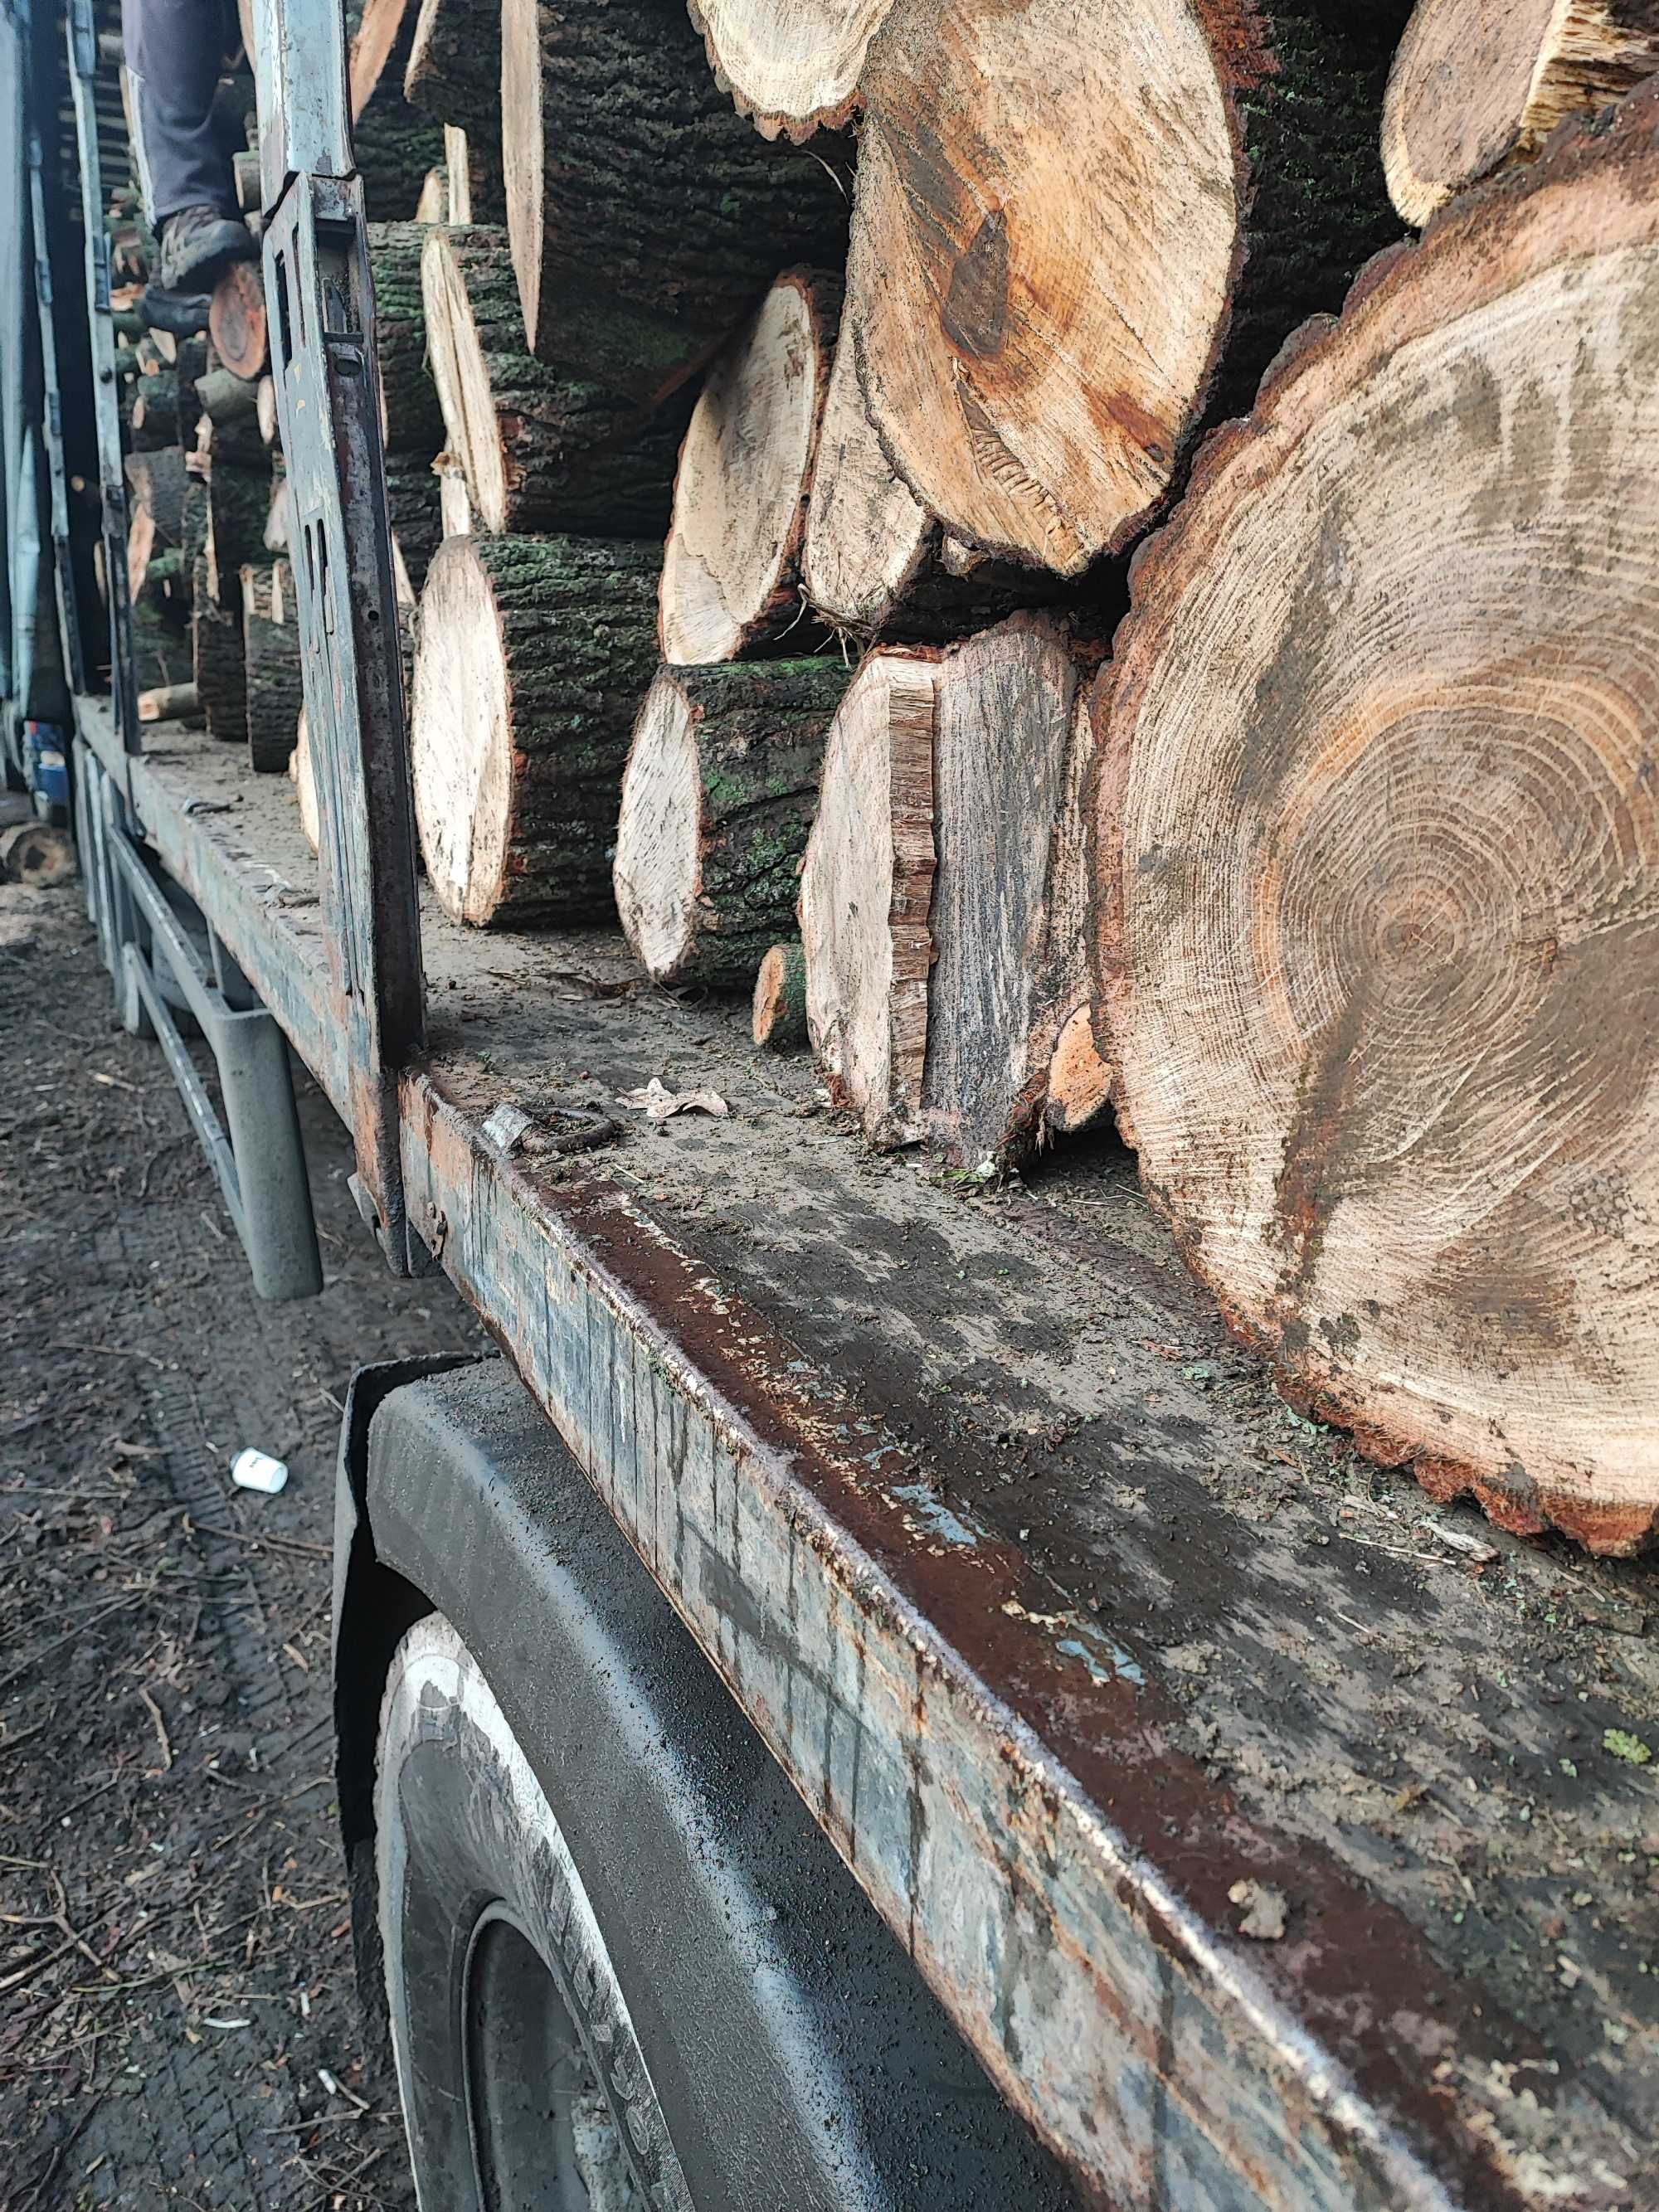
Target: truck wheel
[[524, 2083]]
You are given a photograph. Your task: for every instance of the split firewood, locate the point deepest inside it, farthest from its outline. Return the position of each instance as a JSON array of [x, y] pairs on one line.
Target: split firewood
[[866, 888], [1071, 231], [874, 562], [794, 70], [394, 145], [540, 449], [778, 1017], [236, 321], [303, 774], [454, 500], [719, 796], [411, 420], [172, 702], [1013, 759], [216, 664], [231, 404], [156, 482], [1380, 832], [271, 428], [532, 655], [1474, 87], [732, 566], [646, 218], [272, 666]]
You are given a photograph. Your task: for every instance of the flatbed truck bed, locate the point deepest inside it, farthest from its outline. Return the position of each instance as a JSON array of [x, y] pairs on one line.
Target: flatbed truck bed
[[1257, 1824]]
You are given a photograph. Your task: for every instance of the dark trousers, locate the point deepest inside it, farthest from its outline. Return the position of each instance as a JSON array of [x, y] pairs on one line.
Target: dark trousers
[[174, 51]]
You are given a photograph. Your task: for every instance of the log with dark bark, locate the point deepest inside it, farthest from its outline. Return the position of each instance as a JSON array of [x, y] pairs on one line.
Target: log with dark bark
[[236, 321], [160, 651], [1380, 907], [866, 888], [394, 145], [794, 70], [1014, 758], [154, 420], [875, 564], [170, 702], [411, 421], [217, 668], [156, 482], [731, 569], [719, 796], [1072, 230], [162, 581], [376, 29], [239, 505], [231, 404], [454, 65], [415, 509], [541, 450], [271, 662], [646, 218], [778, 1015], [532, 657], [1476, 86]]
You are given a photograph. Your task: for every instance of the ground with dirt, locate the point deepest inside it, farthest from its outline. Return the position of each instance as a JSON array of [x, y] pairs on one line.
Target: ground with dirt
[[178, 2023]]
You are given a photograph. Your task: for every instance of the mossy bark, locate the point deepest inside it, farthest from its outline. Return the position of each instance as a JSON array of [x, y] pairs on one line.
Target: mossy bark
[[778, 1017], [239, 502], [157, 481], [231, 404], [454, 70], [276, 689], [154, 416], [413, 420], [217, 663]]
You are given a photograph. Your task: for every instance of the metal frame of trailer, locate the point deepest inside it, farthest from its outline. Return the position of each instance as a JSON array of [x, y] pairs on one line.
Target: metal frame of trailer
[[928, 1476]]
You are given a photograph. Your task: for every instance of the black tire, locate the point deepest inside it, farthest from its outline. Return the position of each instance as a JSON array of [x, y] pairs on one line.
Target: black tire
[[523, 2081]]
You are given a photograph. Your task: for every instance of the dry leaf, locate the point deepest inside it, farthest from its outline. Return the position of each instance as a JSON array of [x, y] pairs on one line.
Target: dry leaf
[[657, 1103]]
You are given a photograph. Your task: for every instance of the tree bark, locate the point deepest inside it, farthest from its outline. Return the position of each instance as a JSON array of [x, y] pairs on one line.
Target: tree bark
[[239, 504], [1014, 758], [719, 796], [731, 569], [157, 483], [532, 656], [541, 450], [411, 420], [454, 67], [231, 404], [217, 668], [1380, 838], [1071, 231], [646, 217], [160, 651], [866, 887], [236, 321], [1474, 89], [778, 1017], [376, 29], [792, 70], [154, 420], [272, 658], [413, 507], [394, 145], [875, 565]]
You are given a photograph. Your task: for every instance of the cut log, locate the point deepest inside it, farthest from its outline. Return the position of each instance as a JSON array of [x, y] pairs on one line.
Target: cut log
[[646, 218], [875, 564], [454, 66], [1476, 86], [778, 1017], [250, 187], [140, 545], [38, 854], [732, 569], [154, 421], [216, 664], [157, 483], [393, 144], [454, 500], [541, 450], [377, 28], [272, 666], [236, 321], [1071, 229], [866, 888], [1381, 920], [276, 530], [413, 507], [477, 185], [239, 505], [719, 796], [172, 702], [162, 581], [434, 204], [794, 68], [231, 405], [411, 421], [532, 656], [1014, 758], [271, 428], [304, 777], [160, 651]]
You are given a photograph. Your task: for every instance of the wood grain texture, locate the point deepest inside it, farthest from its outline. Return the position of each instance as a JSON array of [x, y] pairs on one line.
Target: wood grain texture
[[777, 1018], [236, 321], [866, 889], [718, 799], [731, 566], [1072, 229], [1479, 83], [1381, 909], [793, 68]]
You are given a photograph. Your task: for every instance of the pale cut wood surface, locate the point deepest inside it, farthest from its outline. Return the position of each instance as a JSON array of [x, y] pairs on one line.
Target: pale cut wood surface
[[778, 1012], [1382, 912], [792, 65], [1478, 83], [867, 534], [731, 568], [866, 888]]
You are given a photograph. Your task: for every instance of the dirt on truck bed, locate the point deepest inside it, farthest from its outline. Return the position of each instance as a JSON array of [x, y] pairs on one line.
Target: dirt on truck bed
[[177, 2021]]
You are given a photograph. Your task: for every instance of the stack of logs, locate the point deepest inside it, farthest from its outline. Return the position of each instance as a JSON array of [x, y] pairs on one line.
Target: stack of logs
[[786, 508]]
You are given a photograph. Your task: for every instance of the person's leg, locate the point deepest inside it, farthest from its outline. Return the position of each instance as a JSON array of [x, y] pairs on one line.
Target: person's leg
[[172, 56]]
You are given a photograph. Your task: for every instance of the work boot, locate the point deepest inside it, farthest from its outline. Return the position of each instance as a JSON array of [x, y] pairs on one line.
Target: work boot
[[197, 244]]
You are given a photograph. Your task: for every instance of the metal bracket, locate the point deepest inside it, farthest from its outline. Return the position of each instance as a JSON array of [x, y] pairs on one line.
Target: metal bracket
[[81, 30], [68, 613]]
